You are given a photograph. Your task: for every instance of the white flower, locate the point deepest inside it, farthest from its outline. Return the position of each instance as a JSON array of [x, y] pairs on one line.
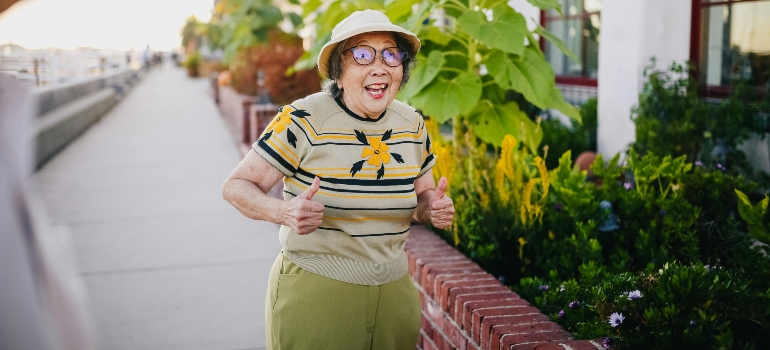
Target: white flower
[[634, 295], [616, 319]]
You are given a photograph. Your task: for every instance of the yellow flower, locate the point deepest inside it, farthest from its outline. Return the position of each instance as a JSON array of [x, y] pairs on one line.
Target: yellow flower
[[522, 242], [526, 201], [484, 198], [545, 181], [281, 121], [500, 182], [445, 162], [509, 144], [551, 236], [378, 153]]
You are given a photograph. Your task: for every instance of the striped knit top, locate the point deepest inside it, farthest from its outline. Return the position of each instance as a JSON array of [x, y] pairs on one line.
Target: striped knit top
[[367, 169]]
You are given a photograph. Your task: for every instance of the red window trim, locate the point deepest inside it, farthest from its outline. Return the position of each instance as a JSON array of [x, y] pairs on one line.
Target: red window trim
[[696, 40], [578, 81]]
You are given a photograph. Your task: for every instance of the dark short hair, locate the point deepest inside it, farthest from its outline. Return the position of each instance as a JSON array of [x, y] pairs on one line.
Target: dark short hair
[[335, 64]]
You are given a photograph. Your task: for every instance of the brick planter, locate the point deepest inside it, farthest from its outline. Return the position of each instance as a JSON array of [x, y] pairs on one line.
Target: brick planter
[[235, 109], [260, 115], [463, 307]]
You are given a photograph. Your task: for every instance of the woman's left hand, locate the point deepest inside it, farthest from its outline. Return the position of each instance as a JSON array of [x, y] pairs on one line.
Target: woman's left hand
[[442, 209]]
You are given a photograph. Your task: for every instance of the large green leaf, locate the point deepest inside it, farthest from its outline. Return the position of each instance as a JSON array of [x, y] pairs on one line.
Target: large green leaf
[[506, 31], [414, 23], [422, 75], [556, 41], [546, 4], [309, 6], [296, 19], [753, 215], [309, 59], [529, 74], [445, 99], [396, 9], [435, 35], [557, 102], [491, 122]]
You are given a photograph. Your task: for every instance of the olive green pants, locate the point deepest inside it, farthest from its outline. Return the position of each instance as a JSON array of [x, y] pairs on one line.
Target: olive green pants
[[304, 310]]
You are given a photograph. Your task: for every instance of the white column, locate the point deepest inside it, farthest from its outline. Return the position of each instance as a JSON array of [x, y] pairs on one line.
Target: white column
[[632, 31]]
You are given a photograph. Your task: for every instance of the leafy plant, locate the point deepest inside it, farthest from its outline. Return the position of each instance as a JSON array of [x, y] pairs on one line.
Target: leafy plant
[[192, 61], [577, 138], [540, 230], [672, 119], [271, 61], [754, 215], [244, 23], [470, 57], [677, 306]]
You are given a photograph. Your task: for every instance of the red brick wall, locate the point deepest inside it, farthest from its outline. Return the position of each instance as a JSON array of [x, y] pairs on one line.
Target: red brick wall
[[464, 307]]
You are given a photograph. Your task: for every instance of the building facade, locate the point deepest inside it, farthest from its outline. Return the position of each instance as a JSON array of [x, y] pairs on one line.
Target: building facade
[[615, 40]]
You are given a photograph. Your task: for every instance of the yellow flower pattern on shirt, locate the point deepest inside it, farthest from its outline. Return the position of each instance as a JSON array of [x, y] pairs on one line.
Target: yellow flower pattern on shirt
[[378, 153], [282, 121]]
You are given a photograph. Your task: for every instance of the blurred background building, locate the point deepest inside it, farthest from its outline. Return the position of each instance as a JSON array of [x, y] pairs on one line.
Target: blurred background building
[[615, 40]]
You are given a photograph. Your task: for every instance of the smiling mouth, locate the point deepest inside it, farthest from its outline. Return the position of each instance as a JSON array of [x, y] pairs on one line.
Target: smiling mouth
[[376, 90]]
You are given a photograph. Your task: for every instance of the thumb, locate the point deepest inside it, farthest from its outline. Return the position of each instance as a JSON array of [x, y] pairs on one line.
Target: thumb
[[310, 191], [440, 189]]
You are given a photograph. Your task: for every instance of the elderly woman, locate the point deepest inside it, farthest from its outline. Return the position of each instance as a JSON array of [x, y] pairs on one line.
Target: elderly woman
[[356, 168]]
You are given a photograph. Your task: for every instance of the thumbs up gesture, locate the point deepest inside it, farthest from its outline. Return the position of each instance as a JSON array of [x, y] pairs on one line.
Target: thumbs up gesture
[[302, 214], [442, 209]]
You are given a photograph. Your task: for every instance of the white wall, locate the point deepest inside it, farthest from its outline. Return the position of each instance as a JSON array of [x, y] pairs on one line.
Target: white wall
[[529, 11], [632, 32]]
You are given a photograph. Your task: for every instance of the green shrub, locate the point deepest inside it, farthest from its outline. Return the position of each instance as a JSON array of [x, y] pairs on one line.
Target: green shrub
[[536, 227], [675, 307], [579, 138], [671, 118], [192, 61]]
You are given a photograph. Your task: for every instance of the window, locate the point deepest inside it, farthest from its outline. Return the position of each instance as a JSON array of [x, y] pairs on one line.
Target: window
[[732, 42], [579, 29]]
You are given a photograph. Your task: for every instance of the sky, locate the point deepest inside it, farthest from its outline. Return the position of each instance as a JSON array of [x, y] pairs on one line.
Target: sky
[[104, 24]]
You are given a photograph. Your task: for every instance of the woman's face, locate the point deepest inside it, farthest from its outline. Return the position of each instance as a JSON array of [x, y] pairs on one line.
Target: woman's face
[[369, 90]]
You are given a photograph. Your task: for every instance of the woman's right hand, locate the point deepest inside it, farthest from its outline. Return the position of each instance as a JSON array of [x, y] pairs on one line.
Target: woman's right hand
[[302, 214]]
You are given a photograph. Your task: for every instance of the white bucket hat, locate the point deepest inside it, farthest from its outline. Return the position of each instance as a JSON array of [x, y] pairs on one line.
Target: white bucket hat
[[357, 23]]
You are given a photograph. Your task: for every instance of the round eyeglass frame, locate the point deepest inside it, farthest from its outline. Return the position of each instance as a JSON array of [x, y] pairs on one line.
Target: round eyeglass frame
[[374, 57]]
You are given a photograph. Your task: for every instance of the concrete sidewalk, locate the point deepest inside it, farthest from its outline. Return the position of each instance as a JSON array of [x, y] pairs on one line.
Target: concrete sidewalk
[[167, 263]]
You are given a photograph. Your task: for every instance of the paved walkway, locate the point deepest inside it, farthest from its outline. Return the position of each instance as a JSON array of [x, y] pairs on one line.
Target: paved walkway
[[167, 263]]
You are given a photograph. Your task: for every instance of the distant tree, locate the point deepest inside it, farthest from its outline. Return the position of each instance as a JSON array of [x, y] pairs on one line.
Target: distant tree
[[190, 32]]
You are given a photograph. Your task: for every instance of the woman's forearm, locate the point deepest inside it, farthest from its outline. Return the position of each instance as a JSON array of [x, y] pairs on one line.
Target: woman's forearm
[[252, 202], [422, 213]]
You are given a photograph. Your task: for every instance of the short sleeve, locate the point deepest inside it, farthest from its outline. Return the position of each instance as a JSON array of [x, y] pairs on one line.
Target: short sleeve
[[428, 158], [284, 143]]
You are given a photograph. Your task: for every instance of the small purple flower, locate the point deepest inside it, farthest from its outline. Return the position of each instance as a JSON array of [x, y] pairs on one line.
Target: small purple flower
[[720, 166], [558, 207], [606, 342], [693, 323], [574, 304], [663, 212], [628, 185], [544, 287], [634, 295], [698, 163], [561, 313], [616, 319]]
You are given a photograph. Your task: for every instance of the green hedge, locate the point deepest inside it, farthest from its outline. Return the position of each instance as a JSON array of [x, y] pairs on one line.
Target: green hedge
[[673, 234]]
